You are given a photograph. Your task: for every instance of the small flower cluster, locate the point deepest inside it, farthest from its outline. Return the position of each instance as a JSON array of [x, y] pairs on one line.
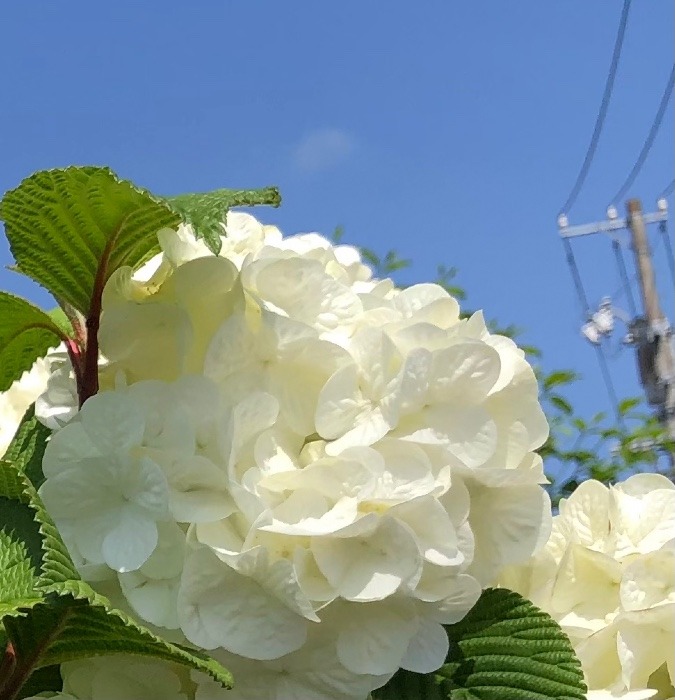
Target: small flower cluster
[[305, 470], [18, 398], [607, 575]]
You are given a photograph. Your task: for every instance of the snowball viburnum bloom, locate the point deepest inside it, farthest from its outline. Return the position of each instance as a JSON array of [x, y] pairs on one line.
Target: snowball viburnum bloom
[[94, 477], [300, 468], [16, 400], [607, 575]]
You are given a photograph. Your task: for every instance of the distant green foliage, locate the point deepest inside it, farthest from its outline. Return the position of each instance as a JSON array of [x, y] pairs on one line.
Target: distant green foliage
[[578, 448]]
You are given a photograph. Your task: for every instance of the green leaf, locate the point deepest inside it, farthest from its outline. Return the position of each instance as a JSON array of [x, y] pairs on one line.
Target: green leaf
[[507, 648], [26, 333], [561, 404], [559, 378], [27, 448], [531, 350], [206, 211], [42, 680], [626, 405], [337, 235], [17, 576], [580, 424], [67, 226], [61, 320], [70, 628], [406, 685], [504, 649]]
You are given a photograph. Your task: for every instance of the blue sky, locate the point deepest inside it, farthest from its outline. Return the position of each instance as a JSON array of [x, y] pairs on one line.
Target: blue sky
[[450, 131]]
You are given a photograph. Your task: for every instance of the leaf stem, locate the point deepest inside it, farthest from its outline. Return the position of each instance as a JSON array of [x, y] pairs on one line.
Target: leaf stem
[[7, 665], [24, 667], [87, 384]]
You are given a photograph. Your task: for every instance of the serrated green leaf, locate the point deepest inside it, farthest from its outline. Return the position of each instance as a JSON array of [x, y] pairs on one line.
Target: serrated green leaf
[[11, 484], [27, 448], [504, 649], [206, 211], [57, 565], [65, 225], [17, 576], [507, 648], [86, 630], [17, 518], [42, 680], [26, 333], [61, 320]]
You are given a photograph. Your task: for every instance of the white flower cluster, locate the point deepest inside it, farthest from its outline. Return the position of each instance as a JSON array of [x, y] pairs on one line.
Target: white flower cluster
[[607, 575], [17, 399], [303, 469]]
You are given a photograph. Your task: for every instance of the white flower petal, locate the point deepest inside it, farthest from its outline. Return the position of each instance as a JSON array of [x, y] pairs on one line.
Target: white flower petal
[[130, 543], [374, 638], [427, 649], [218, 607], [371, 567]]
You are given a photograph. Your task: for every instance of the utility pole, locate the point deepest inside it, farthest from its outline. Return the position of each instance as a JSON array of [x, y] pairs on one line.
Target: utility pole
[[652, 333]]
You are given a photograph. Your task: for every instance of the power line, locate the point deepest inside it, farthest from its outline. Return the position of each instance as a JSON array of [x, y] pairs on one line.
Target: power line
[[669, 249], [576, 277], [602, 112], [621, 264], [668, 190], [600, 351], [649, 141]]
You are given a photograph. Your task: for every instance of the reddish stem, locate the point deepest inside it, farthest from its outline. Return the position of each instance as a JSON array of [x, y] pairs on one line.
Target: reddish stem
[[75, 355], [22, 666], [7, 665], [88, 382]]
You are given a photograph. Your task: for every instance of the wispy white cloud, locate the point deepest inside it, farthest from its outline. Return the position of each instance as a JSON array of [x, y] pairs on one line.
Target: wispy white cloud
[[322, 149]]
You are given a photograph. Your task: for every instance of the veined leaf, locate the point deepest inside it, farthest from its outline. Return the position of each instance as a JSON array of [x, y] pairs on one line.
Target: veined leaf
[[17, 576], [47, 679], [69, 628], [27, 448], [205, 211], [504, 649], [61, 320], [69, 229], [26, 333], [507, 648]]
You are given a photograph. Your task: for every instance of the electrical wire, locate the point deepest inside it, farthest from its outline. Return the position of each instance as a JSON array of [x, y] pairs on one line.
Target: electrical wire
[[600, 351], [623, 273], [668, 190], [669, 248], [602, 112], [649, 141], [576, 277], [607, 378]]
